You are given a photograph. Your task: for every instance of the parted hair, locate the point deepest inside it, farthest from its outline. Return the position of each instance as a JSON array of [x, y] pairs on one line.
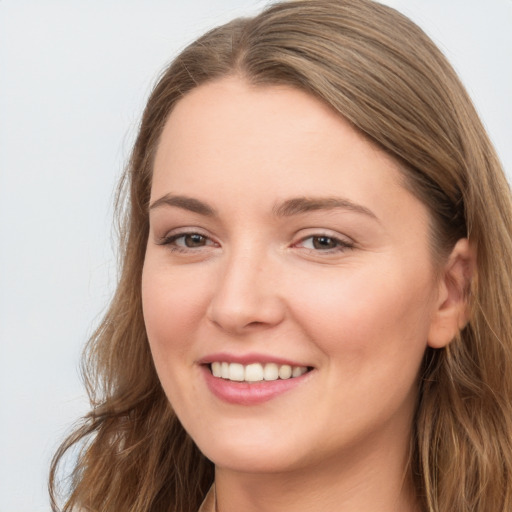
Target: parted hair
[[379, 71]]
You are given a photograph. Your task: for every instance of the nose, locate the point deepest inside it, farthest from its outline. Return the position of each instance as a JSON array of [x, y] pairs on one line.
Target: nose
[[246, 296]]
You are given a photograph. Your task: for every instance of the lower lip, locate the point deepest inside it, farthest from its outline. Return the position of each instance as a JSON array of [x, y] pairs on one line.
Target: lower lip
[[254, 393]]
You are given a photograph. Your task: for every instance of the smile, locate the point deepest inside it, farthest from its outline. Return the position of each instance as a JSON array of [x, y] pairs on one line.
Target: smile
[[256, 372]]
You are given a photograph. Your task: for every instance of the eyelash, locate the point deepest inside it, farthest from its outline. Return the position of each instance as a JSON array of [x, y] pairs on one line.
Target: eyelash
[[339, 244], [171, 241]]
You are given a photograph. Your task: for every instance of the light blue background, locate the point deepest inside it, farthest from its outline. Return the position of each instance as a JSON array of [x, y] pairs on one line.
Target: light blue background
[[74, 76]]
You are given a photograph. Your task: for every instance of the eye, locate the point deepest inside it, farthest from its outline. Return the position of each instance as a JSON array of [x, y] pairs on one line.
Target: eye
[[190, 240], [325, 243], [187, 241]]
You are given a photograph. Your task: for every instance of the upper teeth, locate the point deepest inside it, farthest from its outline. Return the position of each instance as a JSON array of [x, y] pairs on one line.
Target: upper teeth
[[256, 372]]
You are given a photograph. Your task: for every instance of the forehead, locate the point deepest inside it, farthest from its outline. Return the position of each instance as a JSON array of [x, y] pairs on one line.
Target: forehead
[[230, 124]]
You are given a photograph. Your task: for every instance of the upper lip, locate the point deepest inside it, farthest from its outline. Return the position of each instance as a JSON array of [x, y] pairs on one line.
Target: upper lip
[[246, 359]]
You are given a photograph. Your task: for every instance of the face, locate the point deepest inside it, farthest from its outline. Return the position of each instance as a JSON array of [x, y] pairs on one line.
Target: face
[[288, 288]]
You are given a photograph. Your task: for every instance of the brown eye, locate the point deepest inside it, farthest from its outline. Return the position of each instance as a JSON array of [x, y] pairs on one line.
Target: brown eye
[[185, 241], [324, 242], [194, 240]]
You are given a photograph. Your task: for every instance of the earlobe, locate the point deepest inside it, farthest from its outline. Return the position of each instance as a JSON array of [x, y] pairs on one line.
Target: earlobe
[[452, 307]]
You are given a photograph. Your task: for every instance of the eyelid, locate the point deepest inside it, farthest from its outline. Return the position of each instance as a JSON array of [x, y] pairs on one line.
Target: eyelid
[[344, 242], [175, 234]]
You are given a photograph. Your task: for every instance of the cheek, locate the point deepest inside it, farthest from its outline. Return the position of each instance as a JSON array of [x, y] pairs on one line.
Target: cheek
[[172, 306], [365, 315]]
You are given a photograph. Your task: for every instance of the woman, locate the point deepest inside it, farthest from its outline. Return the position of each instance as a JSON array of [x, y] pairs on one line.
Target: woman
[[313, 309]]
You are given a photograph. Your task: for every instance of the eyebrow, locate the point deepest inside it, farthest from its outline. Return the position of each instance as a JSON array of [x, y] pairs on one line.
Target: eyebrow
[[184, 202], [288, 208], [299, 205]]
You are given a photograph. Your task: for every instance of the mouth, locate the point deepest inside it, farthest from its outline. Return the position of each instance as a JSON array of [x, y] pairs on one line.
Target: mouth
[[256, 372]]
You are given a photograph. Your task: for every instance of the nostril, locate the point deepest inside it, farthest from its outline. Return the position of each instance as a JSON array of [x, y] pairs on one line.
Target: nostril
[[255, 324]]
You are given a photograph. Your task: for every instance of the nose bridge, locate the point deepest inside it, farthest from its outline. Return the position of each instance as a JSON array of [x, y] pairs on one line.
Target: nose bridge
[[246, 295]]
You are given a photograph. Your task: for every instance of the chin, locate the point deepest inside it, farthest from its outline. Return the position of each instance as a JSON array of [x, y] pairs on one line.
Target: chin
[[251, 456]]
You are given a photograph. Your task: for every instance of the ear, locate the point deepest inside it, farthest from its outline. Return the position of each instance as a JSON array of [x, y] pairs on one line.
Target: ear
[[452, 309]]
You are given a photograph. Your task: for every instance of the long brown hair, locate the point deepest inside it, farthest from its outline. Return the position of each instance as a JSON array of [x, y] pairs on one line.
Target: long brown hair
[[384, 75]]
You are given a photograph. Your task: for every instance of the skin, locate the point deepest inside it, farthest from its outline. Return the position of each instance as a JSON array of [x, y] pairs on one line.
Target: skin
[[358, 306]]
